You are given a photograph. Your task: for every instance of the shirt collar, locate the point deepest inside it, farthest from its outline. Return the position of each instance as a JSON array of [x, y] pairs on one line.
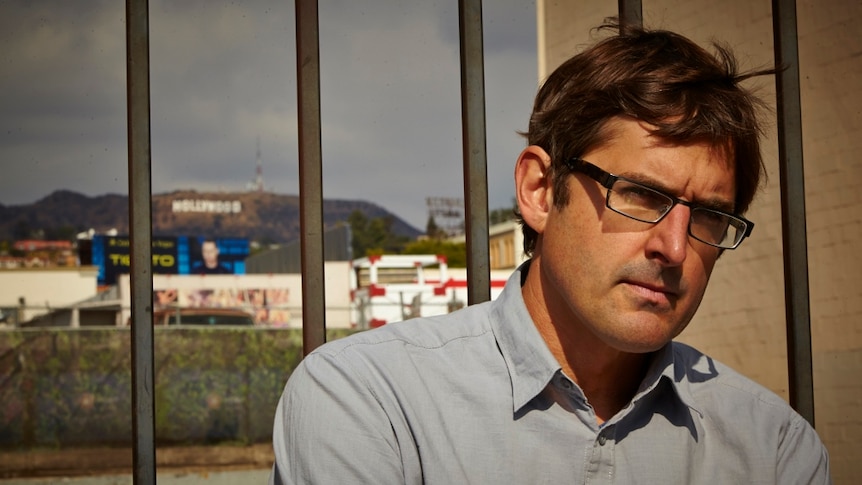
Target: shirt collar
[[667, 365], [529, 361], [532, 366]]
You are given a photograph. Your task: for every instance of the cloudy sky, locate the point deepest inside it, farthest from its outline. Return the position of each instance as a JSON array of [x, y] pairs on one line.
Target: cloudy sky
[[223, 76]]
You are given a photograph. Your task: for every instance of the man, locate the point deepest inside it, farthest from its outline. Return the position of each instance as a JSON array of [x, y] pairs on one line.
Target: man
[[643, 154], [209, 263]]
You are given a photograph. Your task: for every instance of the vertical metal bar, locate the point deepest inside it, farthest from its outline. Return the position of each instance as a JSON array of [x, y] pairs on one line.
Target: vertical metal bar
[[140, 235], [310, 175], [475, 153], [793, 209], [631, 12]]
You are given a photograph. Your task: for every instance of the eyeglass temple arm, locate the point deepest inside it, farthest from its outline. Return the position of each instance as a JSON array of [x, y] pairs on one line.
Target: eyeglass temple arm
[[592, 171]]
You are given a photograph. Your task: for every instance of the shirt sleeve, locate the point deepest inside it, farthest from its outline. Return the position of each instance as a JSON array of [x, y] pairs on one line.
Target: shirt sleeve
[[802, 456], [330, 428]]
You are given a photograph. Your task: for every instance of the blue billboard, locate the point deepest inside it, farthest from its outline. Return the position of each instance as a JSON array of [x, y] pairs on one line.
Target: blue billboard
[[171, 255]]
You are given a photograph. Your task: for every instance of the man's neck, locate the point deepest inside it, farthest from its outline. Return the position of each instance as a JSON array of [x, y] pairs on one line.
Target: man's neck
[[608, 377]]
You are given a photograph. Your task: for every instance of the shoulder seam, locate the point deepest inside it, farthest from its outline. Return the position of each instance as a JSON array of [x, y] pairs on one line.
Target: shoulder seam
[[403, 341]]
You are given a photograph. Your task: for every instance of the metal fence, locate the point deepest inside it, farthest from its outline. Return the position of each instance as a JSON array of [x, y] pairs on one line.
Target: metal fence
[[475, 181]]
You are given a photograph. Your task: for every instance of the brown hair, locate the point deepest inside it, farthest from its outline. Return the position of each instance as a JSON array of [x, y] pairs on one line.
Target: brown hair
[[655, 76]]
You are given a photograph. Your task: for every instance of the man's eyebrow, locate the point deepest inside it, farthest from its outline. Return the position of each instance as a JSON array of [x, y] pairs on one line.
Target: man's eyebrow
[[715, 203]]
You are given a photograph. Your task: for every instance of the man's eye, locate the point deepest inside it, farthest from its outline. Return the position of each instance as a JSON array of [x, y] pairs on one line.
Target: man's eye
[[634, 194], [712, 218]]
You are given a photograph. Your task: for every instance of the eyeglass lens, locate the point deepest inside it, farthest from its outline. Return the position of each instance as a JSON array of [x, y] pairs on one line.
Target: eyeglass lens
[[647, 205]]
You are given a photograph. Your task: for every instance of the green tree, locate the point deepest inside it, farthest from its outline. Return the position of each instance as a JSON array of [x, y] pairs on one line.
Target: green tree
[[22, 230], [373, 236], [432, 230], [456, 253], [497, 216], [65, 232]]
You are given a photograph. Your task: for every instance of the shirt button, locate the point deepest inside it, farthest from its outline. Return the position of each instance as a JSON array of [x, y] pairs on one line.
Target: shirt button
[[602, 440]]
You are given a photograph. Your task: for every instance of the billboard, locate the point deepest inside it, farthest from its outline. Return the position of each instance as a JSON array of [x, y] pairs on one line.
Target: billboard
[[267, 306], [171, 255]]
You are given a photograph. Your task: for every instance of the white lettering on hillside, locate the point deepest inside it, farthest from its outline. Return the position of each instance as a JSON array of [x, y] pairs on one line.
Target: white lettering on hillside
[[212, 206]]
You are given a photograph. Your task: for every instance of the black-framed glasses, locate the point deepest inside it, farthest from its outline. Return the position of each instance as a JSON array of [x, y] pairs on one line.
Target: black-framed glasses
[[646, 204]]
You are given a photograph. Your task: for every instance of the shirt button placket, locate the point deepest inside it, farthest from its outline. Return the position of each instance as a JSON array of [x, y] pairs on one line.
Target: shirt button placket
[[601, 466], [602, 438]]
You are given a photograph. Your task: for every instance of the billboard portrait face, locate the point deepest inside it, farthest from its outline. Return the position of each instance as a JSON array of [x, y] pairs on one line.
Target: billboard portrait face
[[206, 258], [209, 254]]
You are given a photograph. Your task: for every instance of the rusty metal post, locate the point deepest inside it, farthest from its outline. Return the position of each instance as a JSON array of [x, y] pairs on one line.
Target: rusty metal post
[[796, 299], [475, 153], [140, 237], [631, 11], [310, 175]]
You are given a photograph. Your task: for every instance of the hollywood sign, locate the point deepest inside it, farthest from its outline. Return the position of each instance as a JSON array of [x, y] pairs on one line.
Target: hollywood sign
[[211, 206]]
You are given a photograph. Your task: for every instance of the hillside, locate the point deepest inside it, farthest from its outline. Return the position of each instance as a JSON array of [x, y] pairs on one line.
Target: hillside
[[259, 216]]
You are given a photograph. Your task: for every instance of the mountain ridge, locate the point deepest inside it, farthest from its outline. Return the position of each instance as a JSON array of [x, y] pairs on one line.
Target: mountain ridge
[[259, 216]]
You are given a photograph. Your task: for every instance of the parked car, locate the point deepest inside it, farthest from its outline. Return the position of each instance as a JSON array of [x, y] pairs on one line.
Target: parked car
[[203, 316]]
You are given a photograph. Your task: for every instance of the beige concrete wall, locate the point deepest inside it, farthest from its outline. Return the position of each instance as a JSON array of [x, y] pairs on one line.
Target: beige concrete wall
[[45, 288], [741, 321]]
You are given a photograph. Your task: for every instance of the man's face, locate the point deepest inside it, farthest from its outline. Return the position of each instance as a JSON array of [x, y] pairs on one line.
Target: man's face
[[209, 252], [634, 285]]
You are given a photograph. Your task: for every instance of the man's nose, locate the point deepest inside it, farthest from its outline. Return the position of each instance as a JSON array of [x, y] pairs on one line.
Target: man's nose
[[668, 240]]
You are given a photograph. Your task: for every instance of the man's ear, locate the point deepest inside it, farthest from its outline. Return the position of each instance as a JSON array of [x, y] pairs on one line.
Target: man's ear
[[533, 187]]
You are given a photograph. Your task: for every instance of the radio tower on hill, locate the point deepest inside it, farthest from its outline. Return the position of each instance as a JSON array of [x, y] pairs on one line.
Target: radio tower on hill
[[257, 184]]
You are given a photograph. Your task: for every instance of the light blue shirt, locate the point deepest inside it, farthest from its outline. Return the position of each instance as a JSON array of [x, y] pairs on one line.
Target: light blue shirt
[[476, 397]]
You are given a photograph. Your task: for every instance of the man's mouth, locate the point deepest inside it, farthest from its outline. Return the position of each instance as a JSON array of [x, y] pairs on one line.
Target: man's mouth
[[655, 293]]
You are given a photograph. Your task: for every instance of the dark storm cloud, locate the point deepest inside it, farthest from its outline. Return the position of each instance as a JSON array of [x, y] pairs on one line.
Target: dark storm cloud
[[62, 93], [223, 77]]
